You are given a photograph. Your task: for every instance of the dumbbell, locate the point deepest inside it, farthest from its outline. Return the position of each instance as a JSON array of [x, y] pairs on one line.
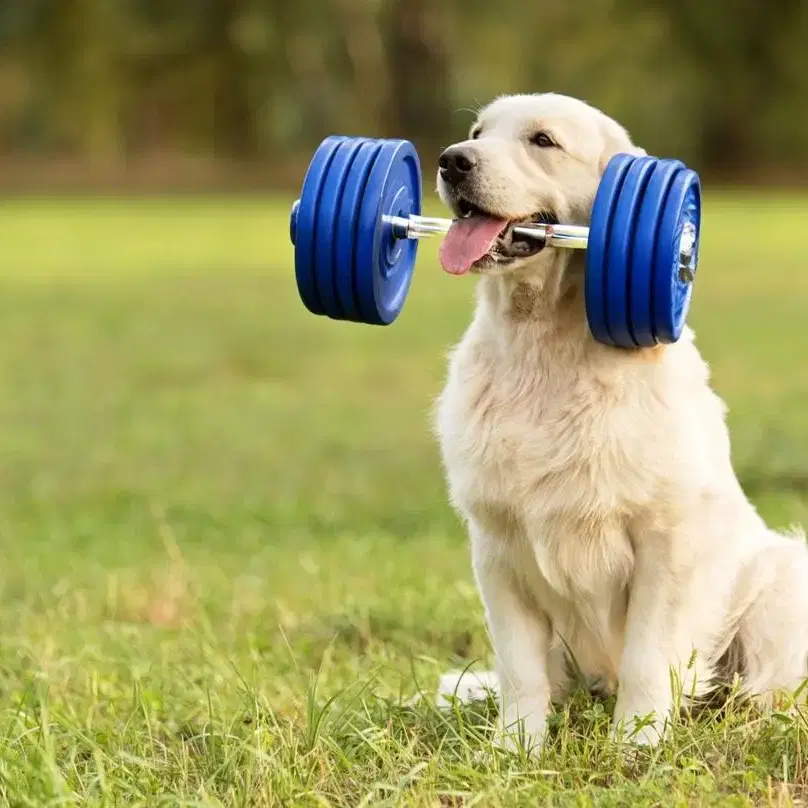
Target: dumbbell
[[356, 225]]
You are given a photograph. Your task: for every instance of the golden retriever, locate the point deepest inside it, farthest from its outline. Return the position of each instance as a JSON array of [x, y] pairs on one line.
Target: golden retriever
[[608, 529]]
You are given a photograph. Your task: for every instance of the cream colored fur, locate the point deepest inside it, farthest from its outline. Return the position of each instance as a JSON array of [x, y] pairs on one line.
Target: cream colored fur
[[604, 516]]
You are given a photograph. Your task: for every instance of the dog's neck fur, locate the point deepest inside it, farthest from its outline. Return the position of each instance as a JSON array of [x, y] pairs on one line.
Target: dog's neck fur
[[543, 309], [538, 302]]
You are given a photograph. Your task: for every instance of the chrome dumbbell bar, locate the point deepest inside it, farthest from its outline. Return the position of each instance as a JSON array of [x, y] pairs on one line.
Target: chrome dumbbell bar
[[556, 235], [570, 236]]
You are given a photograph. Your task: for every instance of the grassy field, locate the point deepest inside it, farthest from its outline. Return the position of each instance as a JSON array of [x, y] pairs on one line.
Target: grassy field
[[228, 561]]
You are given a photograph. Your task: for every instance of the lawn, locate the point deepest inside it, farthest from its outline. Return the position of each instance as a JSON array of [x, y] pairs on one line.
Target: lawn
[[228, 560]]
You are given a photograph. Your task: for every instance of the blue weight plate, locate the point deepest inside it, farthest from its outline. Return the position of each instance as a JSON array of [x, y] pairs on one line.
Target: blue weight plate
[[293, 222], [641, 306], [338, 179], [304, 223], [600, 227], [620, 251], [347, 227], [672, 293], [384, 264]]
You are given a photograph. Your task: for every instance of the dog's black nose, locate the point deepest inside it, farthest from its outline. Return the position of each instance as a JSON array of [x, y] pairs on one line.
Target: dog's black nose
[[456, 163]]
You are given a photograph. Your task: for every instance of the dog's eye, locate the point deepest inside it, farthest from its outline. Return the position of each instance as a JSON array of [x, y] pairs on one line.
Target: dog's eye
[[475, 133], [543, 140]]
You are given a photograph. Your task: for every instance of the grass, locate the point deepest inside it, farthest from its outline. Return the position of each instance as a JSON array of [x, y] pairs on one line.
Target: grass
[[228, 560]]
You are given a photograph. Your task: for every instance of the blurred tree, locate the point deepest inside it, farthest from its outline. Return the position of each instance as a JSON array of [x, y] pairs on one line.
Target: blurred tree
[[233, 130], [73, 49], [737, 62], [418, 104], [369, 74], [719, 85]]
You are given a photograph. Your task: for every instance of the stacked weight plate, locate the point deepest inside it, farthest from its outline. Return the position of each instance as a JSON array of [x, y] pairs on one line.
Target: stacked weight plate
[[637, 291], [348, 264]]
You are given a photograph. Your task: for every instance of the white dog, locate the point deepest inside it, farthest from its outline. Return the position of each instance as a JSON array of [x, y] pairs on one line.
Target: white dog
[[607, 526]]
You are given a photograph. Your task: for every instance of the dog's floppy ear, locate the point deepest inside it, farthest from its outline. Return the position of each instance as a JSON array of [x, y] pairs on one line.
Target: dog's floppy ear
[[617, 140]]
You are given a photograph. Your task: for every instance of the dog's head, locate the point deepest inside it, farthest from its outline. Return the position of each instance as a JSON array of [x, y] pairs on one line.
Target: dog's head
[[536, 158]]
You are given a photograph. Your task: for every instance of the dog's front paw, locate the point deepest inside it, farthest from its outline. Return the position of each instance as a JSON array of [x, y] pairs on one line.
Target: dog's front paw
[[639, 731], [465, 687], [517, 743], [521, 736]]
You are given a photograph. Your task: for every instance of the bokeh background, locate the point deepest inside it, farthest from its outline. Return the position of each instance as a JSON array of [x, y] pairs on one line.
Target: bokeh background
[[172, 91], [218, 511]]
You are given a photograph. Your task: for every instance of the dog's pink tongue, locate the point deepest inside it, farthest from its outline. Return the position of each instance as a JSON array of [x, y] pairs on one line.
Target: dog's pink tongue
[[467, 241]]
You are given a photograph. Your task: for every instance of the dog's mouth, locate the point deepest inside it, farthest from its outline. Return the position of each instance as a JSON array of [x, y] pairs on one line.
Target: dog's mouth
[[478, 237]]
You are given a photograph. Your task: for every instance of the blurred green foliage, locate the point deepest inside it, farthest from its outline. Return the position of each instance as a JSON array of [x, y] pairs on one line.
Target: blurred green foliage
[[721, 85]]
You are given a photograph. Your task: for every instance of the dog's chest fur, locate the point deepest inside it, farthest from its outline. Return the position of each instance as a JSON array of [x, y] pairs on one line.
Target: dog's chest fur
[[546, 457]]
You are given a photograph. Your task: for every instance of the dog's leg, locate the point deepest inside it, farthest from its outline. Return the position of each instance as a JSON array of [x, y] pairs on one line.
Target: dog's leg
[[678, 605], [520, 636], [774, 629]]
